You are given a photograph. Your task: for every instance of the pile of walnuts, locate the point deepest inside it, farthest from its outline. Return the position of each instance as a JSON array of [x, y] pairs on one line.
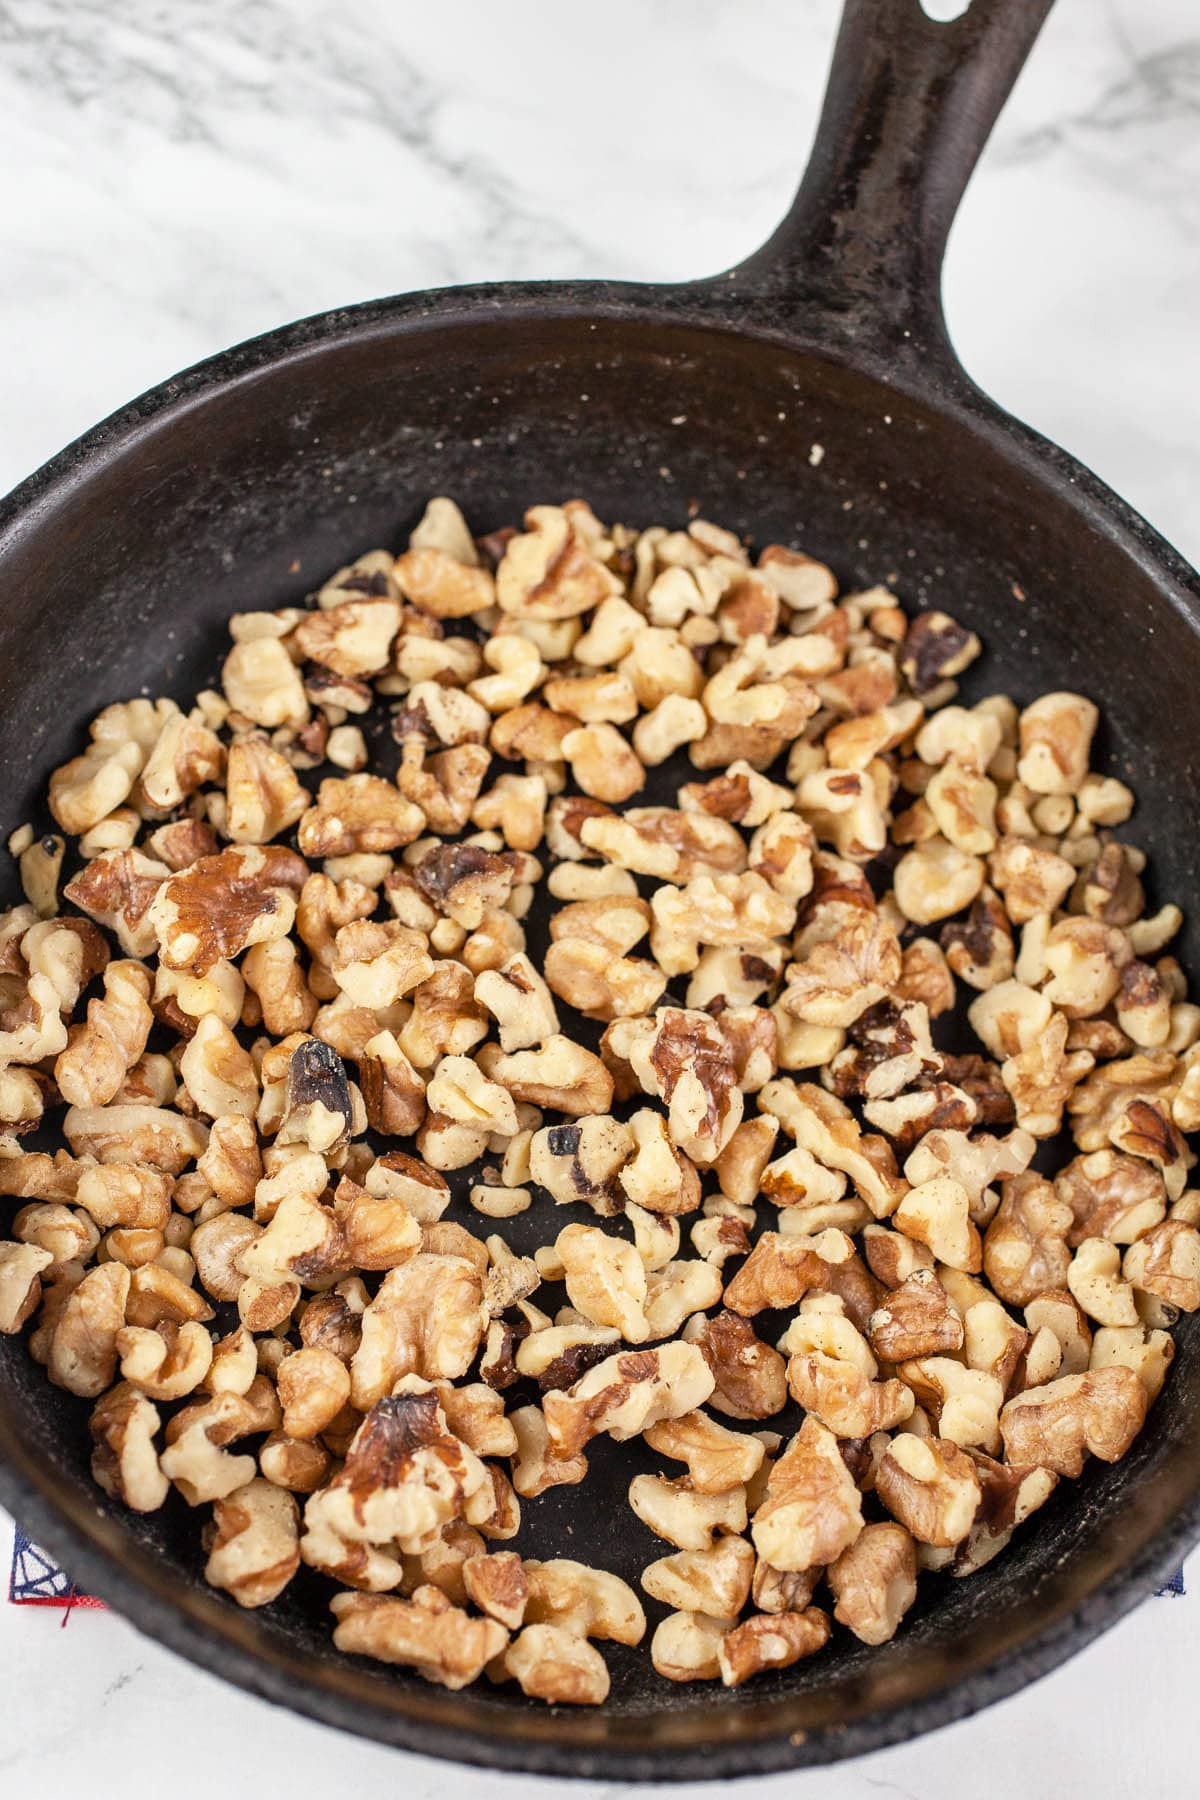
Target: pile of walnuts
[[819, 1276]]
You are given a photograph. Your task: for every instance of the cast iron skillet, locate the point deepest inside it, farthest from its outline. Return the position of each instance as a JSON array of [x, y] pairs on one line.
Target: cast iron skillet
[[244, 481]]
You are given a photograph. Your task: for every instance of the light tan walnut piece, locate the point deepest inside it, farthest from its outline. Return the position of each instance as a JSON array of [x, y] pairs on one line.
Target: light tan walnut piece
[[427, 1633], [263, 796], [690, 1521], [559, 1076], [537, 1466], [716, 1581], [589, 1602], [717, 1459], [1165, 1262], [825, 1127], [427, 1319], [553, 1664], [812, 1510], [606, 1280], [1055, 1426], [83, 1349], [21, 1269], [253, 1543], [685, 1647], [100, 1053], [874, 1582], [124, 1425], [626, 1393], [771, 1641], [930, 1486]]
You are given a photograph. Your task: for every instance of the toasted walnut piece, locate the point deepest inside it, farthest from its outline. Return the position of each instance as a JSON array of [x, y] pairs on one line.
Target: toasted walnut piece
[[1148, 1353], [314, 1385], [1094, 1280], [83, 1349], [262, 683], [537, 1465], [925, 976], [1031, 879], [117, 889], [1056, 1425], [553, 1664], [124, 1194], [518, 999], [824, 1126], [221, 904], [98, 1056], [606, 1280], [917, 1319], [717, 1459], [560, 1075], [196, 1459], [1025, 1248], [935, 647], [588, 1602], [1056, 741], [427, 1319], [657, 1177], [686, 1061], [21, 1267], [405, 1477], [874, 1582], [937, 1213], [770, 1641], [625, 1394], [840, 1392], [812, 1510], [1009, 1496], [124, 1459], [359, 813], [272, 971], [427, 1633], [263, 796], [603, 763], [741, 1163], [685, 1646], [166, 1364], [749, 1376], [1166, 1262], [253, 1544], [714, 1581], [962, 1403], [547, 572], [715, 910], [683, 1517], [936, 879], [930, 1486], [979, 948], [498, 1586], [1111, 1196]]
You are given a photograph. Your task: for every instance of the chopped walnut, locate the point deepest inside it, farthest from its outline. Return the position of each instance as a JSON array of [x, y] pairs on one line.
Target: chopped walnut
[[427, 1633], [930, 1486], [1056, 1425], [874, 1582]]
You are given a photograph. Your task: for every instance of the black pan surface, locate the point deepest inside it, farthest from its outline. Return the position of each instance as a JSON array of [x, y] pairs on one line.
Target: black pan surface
[[246, 481]]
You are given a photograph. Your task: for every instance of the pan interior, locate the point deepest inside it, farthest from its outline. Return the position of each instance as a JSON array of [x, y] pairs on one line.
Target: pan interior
[[245, 495]]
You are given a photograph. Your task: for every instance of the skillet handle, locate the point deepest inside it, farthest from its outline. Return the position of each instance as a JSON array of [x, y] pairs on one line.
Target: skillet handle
[[909, 105]]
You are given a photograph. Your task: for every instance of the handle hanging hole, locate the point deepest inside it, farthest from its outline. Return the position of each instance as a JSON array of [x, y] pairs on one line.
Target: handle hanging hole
[[944, 12]]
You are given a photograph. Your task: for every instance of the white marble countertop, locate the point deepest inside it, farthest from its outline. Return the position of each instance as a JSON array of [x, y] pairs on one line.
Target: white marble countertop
[[183, 176]]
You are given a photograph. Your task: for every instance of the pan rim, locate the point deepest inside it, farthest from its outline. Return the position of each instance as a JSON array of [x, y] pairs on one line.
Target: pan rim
[[703, 306]]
